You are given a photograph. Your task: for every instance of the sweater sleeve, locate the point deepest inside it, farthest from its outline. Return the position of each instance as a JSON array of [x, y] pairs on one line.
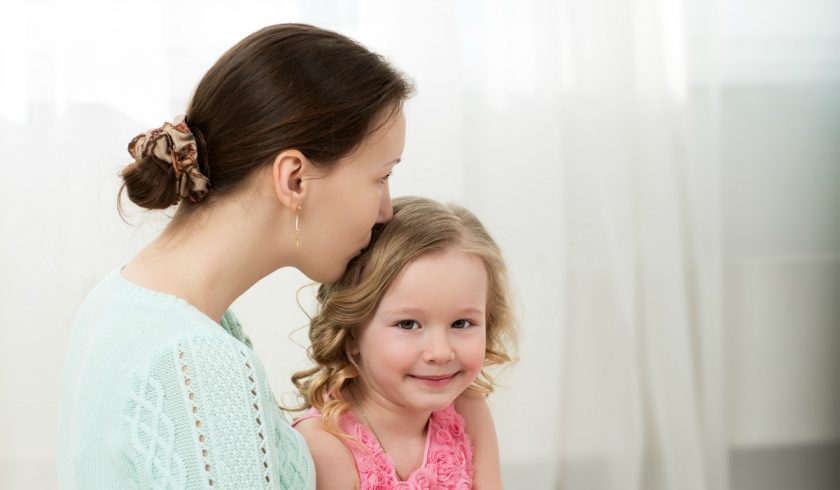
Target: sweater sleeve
[[200, 415]]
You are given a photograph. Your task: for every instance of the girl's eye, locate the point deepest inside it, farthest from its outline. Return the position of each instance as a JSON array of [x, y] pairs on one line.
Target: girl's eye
[[385, 179], [408, 324], [461, 324]]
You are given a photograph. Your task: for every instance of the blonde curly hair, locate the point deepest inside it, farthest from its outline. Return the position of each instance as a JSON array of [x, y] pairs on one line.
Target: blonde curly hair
[[419, 227]]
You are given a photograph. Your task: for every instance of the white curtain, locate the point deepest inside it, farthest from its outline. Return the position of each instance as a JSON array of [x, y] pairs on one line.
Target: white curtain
[[602, 126], [586, 134]]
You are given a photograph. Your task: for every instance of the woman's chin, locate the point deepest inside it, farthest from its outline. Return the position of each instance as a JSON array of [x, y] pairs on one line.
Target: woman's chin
[[324, 276]]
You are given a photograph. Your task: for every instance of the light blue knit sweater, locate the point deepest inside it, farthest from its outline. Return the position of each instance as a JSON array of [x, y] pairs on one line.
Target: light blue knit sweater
[[157, 395]]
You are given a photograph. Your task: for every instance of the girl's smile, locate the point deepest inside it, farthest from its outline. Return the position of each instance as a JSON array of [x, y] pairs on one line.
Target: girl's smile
[[435, 381]]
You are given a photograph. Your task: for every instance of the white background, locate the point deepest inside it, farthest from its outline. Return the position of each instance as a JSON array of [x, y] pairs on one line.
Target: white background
[[662, 177]]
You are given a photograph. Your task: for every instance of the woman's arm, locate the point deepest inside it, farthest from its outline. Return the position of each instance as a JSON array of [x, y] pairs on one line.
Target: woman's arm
[[199, 413], [482, 432]]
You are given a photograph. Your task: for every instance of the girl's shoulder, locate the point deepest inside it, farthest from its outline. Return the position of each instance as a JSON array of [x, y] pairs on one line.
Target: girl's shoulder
[[334, 463], [471, 407], [479, 426]]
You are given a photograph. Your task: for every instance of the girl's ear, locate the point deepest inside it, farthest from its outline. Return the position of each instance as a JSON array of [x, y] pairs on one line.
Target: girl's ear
[[353, 345]]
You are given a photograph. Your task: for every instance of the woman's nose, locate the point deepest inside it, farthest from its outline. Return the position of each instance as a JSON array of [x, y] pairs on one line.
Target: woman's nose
[[386, 209]]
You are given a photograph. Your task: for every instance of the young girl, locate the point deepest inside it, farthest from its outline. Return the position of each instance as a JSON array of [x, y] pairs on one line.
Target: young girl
[[401, 343], [282, 160]]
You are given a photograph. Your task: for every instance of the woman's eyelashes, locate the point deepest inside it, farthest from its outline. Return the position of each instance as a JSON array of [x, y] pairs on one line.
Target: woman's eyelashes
[[385, 179]]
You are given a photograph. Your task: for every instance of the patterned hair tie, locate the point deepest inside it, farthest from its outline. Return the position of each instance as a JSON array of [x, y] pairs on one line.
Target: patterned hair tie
[[174, 144]]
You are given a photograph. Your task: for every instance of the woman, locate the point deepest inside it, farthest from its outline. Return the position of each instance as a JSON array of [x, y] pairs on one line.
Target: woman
[[282, 159]]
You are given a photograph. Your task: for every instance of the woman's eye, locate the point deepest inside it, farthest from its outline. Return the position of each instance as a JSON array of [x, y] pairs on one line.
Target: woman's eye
[[461, 324], [408, 324], [385, 179]]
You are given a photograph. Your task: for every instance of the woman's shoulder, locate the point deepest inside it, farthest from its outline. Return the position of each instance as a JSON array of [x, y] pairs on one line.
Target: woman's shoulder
[[129, 323], [163, 343], [115, 301]]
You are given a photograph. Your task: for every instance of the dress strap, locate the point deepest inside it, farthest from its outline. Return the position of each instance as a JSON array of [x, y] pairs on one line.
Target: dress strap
[[311, 413]]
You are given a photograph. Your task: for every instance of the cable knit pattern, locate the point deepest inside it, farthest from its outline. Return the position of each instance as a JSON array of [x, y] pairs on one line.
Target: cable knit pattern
[[152, 435], [157, 395], [447, 461]]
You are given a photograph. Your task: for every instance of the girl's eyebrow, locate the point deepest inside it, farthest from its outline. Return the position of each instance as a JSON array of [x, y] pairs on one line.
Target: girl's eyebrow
[[473, 310], [411, 310], [404, 309]]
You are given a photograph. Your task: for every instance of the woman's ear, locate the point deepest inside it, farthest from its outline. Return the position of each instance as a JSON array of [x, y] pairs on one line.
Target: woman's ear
[[289, 171]]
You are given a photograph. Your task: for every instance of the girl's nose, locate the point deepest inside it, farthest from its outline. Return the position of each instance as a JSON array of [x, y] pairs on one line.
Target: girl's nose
[[438, 348]]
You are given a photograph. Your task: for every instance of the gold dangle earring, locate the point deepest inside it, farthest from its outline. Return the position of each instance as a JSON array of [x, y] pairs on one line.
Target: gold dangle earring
[[297, 227]]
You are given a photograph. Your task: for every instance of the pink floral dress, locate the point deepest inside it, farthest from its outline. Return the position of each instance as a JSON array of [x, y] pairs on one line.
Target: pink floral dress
[[447, 461]]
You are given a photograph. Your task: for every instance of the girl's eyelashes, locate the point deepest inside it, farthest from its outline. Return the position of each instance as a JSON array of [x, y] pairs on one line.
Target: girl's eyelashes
[[462, 323], [408, 324]]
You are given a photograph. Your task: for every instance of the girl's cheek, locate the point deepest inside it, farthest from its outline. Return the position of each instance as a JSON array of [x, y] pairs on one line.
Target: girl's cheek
[[476, 356]]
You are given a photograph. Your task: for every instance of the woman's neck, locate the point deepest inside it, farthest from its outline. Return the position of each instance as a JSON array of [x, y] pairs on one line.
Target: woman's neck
[[209, 261]]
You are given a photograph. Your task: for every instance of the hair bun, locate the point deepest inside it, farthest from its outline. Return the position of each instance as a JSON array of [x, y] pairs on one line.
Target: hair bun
[[171, 155], [150, 183]]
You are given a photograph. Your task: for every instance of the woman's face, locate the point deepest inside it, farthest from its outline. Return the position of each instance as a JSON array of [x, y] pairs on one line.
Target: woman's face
[[340, 208]]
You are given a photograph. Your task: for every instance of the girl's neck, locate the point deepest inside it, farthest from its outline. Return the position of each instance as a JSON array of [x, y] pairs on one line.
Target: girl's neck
[[390, 422], [400, 433]]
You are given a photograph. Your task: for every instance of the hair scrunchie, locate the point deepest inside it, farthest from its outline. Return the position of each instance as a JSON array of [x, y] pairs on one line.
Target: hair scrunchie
[[174, 144]]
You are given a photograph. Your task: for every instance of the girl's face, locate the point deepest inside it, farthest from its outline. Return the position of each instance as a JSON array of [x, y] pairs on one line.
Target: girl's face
[[425, 343], [342, 206]]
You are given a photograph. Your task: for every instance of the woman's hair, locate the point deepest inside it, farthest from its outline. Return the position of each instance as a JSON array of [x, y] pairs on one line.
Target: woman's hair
[[287, 86], [419, 227]]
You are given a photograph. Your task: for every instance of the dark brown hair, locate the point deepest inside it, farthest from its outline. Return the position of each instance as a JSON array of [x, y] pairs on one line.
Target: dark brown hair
[[287, 86]]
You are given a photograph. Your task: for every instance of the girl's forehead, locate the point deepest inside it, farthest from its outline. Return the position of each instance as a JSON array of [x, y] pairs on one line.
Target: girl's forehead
[[443, 278]]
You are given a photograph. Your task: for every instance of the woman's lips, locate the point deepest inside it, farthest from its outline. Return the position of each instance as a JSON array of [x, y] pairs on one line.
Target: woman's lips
[[437, 381]]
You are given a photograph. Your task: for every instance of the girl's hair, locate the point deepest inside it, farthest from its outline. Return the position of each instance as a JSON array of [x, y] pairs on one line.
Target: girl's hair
[[419, 227], [287, 86]]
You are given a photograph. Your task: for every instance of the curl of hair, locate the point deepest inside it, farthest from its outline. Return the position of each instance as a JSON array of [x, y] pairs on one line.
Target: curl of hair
[[419, 227]]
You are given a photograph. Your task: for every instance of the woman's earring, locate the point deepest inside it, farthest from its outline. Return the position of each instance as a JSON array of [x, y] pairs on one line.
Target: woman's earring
[[297, 227]]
